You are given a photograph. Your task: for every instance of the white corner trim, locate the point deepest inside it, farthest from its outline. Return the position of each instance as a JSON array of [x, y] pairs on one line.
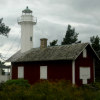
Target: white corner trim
[[73, 72], [11, 72]]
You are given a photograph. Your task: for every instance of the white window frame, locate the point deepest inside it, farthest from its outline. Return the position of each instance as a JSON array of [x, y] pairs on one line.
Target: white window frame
[[20, 71], [84, 53], [43, 72]]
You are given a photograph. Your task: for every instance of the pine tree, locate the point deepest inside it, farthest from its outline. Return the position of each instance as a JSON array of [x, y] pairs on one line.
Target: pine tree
[[4, 30], [53, 43], [71, 36], [95, 42]]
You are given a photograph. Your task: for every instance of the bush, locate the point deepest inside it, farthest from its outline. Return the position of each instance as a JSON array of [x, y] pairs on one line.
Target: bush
[[2, 85], [18, 82], [45, 90]]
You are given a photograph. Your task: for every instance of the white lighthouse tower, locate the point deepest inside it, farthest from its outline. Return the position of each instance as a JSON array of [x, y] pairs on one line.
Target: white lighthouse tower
[[26, 21]]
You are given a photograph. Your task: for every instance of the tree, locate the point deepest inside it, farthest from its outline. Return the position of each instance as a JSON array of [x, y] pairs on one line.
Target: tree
[[53, 43], [4, 30], [2, 70], [71, 36], [95, 42]]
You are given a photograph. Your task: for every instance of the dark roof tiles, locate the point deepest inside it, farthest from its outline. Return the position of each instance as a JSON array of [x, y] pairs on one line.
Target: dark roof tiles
[[64, 52]]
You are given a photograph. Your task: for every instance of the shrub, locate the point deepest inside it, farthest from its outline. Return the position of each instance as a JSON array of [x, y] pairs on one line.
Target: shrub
[[2, 85], [45, 90], [18, 82]]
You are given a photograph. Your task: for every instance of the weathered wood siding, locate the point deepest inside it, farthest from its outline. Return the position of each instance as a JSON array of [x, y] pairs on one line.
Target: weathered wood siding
[[56, 70]]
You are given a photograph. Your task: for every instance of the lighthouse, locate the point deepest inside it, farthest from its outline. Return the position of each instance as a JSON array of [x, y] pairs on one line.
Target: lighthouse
[[27, 21]]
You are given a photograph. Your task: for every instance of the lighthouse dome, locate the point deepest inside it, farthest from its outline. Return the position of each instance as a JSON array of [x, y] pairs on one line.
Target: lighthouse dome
[[27, 10]]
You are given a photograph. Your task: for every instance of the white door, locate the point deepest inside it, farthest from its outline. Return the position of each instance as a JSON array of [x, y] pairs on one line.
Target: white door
[[84, 74]]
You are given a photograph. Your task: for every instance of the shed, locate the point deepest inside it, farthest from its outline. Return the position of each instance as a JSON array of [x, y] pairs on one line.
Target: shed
[[75, 62]]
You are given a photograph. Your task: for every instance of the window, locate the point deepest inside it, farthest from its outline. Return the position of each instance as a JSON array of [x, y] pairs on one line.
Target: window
[[31, 38], [43, 72], [84, 53], [20, 72]]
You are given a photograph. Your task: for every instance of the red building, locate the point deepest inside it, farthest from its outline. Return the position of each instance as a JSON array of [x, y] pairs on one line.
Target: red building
[[74, 62]]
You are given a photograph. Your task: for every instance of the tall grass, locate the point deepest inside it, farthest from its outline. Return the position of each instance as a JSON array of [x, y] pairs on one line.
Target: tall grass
[[45, 90]]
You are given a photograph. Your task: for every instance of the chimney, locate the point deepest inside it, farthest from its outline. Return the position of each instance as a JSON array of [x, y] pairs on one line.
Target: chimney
[[43, 43]]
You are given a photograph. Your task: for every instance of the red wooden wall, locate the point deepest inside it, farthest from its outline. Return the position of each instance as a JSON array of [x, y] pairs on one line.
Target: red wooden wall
[[56, 70], [84, 62]]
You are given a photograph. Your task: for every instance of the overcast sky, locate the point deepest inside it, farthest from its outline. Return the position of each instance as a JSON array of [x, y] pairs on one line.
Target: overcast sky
[[53, 17]]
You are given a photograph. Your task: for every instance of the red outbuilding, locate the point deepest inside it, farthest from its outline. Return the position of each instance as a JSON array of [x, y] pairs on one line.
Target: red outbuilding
[[74, 62]]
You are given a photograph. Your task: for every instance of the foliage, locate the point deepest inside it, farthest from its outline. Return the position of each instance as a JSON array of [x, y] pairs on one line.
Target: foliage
[[2, 70], [18, 82], [97, 70], [53, 43], [95, 42], [2, 85], [71, 36], [45, 90], [4, 30]]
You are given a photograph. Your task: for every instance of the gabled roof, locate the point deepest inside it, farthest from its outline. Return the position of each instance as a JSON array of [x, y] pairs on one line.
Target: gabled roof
[[63, 52]]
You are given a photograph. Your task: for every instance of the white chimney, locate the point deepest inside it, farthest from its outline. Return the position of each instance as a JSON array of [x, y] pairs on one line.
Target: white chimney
[[27, 22]]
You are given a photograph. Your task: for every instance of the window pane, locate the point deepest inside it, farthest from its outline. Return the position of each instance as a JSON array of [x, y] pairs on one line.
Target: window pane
[[43, 72], [85, 53], [20, 72]]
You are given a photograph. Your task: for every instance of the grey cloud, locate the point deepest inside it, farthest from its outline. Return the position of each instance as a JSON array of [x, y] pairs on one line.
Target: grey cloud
[[67, 13], [86, 7], [3, 3]]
